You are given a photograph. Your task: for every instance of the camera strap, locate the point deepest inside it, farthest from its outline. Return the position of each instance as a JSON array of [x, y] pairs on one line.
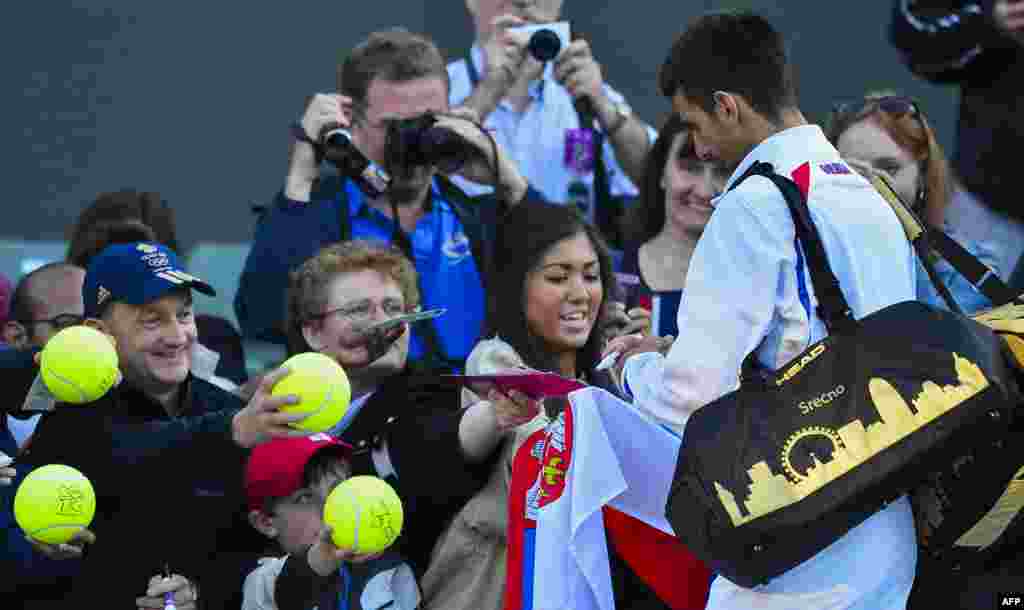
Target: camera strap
[[607, 211], [471, 71]]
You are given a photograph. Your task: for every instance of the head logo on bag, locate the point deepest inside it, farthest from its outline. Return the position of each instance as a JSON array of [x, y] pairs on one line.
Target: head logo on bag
[[792, 371]]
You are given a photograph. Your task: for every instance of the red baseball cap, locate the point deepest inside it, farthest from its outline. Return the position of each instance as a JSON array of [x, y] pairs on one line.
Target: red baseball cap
[[275, 468]]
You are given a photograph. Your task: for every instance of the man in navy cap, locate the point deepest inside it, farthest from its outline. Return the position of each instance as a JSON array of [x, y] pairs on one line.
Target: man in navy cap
[[164, 450]]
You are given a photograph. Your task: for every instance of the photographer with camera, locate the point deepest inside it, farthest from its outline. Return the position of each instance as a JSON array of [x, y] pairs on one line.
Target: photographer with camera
[[392, 137], [540, 114]]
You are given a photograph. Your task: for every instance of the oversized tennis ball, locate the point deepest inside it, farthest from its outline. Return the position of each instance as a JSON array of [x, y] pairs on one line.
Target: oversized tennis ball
[[365, 514], [322, 387], [53, 503], [79, 365]]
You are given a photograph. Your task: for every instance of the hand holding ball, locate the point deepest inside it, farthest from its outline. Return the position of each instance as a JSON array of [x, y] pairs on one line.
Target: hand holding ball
[[79, 365], [365, 515], [54, 503], [322, 387]]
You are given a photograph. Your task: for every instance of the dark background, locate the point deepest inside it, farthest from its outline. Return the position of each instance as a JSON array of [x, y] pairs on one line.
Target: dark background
[[193, 99]]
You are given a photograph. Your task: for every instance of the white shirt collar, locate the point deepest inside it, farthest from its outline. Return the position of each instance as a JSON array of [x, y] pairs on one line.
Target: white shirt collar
[[787, 149]]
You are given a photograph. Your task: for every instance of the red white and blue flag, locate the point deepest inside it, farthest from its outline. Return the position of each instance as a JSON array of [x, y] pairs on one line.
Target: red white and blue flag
[[600, 471]]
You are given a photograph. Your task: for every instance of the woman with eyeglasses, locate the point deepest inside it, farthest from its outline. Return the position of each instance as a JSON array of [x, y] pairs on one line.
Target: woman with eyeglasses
[[664, 226], [891, 136]]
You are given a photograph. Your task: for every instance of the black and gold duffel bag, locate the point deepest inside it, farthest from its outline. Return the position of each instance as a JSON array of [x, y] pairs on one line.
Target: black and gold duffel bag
[[970, 508], [771, 474]]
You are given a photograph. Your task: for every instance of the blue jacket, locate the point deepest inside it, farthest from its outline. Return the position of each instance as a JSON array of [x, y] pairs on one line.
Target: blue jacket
[[289, 233]]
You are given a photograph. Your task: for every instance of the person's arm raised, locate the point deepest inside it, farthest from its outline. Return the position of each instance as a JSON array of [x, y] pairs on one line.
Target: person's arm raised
[[947, 44], [486, 422], [504, 57], [303, 164], [581, 75], [489, 160]]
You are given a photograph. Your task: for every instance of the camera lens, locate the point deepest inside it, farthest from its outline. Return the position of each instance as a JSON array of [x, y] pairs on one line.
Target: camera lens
[[336, 145], [544, 45], [418, 142]]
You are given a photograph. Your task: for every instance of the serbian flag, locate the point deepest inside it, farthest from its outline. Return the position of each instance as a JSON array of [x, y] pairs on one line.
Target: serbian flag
[[600, 471]]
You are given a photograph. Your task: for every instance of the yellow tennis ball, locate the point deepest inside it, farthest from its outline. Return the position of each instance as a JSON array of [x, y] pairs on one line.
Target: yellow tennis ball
[[365, 514], [53, 503], [79, 365], [322, 387]]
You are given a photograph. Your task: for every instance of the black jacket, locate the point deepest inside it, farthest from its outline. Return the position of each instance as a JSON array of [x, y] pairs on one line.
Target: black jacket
[[418, 417], [958, 42], [169, 491]]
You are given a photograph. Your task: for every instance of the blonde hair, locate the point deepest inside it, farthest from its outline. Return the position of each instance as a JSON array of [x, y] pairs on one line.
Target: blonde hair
[[307, 286]]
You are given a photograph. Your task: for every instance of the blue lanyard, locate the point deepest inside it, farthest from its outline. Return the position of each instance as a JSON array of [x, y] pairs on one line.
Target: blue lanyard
[[346, 586], [474, 76]]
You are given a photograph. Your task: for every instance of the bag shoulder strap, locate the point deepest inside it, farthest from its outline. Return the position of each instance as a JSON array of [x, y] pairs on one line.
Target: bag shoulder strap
[[833, 309], [927, 240]]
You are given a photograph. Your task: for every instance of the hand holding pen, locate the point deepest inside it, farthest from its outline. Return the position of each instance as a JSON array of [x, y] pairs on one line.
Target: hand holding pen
[[620, 348], [168, 595], [169, 592]]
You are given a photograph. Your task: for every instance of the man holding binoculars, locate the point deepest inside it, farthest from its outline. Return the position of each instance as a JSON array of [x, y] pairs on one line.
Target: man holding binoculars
[[391, 134]]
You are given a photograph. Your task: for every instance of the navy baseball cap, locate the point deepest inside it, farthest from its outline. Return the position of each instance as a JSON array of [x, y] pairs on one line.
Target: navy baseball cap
[[135, 273]]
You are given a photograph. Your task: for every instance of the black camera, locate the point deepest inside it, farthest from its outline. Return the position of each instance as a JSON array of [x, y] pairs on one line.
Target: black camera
[[336, 147], [544, 45], [419, 141]]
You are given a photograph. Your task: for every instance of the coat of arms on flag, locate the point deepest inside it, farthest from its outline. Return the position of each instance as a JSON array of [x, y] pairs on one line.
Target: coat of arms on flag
[[595, 474]]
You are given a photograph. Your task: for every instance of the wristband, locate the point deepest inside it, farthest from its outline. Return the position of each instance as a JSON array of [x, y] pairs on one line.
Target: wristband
[[300, 134]]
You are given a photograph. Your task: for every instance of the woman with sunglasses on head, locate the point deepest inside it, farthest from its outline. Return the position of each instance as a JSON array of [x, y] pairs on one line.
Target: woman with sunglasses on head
[[664, 226], [891, 136]]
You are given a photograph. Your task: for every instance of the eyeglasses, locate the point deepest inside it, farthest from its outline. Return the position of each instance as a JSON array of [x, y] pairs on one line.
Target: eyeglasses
[[60, 322], [361, 311]]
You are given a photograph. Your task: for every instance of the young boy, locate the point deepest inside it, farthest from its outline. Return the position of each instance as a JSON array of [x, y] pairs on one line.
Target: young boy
[[287, 482]]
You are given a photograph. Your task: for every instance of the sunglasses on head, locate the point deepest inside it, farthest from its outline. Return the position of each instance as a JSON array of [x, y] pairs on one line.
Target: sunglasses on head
[[890, 104]]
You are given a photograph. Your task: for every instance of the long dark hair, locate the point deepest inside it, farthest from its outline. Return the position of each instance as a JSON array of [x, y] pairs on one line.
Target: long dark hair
[[524, 236], [646, 218], [116, 213]]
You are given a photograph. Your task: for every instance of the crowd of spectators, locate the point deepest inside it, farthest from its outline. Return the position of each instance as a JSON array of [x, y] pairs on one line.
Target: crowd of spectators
[[658, 250]]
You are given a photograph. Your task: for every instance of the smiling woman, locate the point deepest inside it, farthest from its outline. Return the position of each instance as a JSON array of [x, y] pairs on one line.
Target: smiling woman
[[552, 272], [551, 276], [676, 202]]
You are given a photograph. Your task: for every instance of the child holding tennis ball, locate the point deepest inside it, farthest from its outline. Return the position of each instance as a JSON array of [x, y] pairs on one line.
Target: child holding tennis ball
[[287, 482]]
